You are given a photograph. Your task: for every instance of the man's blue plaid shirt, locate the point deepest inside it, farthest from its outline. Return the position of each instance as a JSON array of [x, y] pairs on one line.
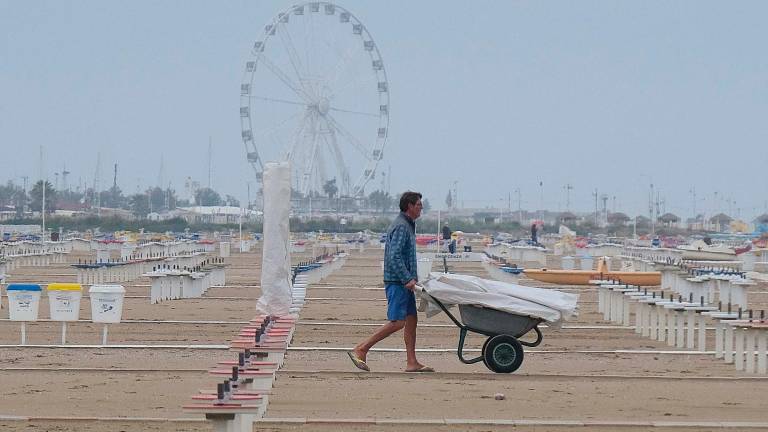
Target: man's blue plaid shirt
[[400, 251]]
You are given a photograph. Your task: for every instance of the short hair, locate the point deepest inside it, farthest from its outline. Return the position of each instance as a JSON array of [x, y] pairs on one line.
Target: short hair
[[408, 197]]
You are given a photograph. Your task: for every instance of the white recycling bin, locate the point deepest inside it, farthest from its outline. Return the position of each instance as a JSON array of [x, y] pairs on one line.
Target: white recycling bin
[[64, 301], [423, 267], [224, 249], [23, 301], [107, 303]]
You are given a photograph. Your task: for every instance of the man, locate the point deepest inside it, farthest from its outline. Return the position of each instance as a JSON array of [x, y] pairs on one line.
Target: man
[[446, 238], [400, 279]]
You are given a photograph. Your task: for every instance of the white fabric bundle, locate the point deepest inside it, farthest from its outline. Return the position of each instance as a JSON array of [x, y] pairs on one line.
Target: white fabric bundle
[[451, 289], [276, 257]]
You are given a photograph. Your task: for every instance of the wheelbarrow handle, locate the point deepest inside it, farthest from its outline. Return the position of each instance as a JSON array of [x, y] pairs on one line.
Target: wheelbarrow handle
[[444, 309]]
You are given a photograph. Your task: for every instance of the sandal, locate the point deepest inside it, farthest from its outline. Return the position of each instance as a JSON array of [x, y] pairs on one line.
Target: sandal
[[423, 369], [360, 364]]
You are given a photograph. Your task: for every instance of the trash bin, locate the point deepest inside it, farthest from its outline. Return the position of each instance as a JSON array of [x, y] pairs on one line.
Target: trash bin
[[107, 303], [423, 267], [23, 301], [64, 301]]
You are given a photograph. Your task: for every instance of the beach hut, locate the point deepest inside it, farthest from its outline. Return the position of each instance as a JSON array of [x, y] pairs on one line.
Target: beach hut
[[761, 223], [567, 218], [720, 222], [618, 218], [669, 219]]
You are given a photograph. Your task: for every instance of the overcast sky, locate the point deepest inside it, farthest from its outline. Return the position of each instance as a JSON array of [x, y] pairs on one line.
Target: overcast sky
[[497, 96]]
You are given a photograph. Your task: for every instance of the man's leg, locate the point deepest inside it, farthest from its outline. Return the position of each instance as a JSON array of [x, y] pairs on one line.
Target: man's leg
[[361, 349], [409, 335]]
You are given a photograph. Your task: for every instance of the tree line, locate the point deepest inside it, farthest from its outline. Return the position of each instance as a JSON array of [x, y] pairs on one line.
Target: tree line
[[14, 197]]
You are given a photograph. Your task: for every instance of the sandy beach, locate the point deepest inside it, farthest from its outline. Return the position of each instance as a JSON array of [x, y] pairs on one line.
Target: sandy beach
[[590, 374]]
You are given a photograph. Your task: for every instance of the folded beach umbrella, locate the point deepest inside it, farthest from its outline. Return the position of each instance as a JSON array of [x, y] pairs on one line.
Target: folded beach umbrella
[[550, 305], [276, 257]]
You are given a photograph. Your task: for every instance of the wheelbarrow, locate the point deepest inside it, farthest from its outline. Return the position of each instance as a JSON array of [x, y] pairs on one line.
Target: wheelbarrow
[[503, 350]]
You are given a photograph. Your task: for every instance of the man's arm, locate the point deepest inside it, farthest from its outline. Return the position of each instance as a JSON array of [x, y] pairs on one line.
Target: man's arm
[[394, 258], [411, 285]]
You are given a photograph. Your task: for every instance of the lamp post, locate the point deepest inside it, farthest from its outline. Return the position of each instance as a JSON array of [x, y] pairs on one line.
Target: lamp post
[[541, 199], [568, 188], [455, 194]]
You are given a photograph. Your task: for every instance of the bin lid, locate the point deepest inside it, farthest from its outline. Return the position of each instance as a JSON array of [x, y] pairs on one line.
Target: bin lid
[[107, 289], [23, 287], [65, 287]]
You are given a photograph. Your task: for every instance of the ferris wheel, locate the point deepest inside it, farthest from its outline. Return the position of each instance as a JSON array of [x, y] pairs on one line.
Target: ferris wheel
[[315, 93]]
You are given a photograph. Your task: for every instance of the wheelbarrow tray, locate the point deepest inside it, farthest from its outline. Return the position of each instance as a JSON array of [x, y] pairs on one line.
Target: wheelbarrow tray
[[491, 322]]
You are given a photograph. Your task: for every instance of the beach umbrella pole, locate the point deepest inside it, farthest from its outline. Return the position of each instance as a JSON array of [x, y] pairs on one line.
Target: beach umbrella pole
[[63, 332]]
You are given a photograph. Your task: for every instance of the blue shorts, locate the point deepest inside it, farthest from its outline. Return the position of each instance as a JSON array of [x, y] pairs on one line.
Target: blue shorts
[[400, 302]]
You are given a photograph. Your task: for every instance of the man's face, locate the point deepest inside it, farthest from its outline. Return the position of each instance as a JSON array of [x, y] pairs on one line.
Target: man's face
[[414, 210]]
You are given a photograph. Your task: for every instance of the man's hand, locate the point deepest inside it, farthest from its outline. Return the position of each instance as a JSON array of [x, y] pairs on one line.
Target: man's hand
[[411, 285]]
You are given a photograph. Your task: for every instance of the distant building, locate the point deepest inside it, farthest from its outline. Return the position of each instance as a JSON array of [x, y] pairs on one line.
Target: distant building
[[7, 215], [762, 219], [67, 213], [761, 223], [190, 189], [19, 229], [698, 223], [218, 215], [720, 222], [643, 221], [618, 218], [567, 218], [669, 220], [115, 213]]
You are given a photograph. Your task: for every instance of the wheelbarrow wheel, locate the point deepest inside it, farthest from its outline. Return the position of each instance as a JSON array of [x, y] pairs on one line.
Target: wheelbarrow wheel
[[485, 345], [503, 354]]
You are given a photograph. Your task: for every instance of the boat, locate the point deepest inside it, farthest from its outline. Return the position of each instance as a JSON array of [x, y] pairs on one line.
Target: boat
[[583, 277], [700, 251], [501, 271], [426, 239]]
